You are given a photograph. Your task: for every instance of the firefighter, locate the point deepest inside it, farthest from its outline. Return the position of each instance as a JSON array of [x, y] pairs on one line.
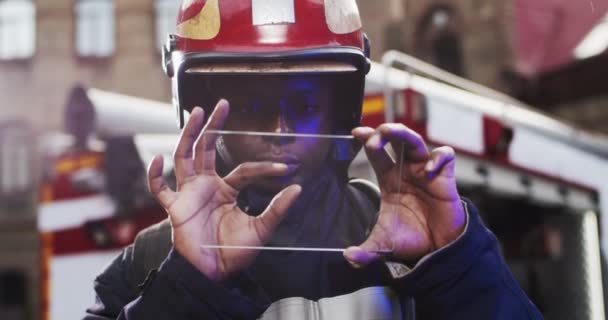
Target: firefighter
[[298, 67]]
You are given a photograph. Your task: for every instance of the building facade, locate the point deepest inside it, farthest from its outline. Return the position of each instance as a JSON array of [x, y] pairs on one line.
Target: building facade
[[110, 45], [471, 38], [114, 46]]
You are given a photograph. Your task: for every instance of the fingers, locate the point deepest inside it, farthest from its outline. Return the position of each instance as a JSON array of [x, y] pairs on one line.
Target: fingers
[[183, 152], [399, 135], [265, 223], [374, 149], [247, 173], [204, 153], [405, 142], [376, 246], [157, 185], [441, 162], [363, 133]]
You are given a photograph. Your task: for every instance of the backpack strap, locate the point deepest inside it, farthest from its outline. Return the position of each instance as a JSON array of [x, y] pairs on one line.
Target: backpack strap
[[151, 247], [368, 188]]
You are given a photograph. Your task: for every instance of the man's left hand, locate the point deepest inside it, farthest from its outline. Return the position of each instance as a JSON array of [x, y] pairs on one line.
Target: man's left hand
[[420, 209]]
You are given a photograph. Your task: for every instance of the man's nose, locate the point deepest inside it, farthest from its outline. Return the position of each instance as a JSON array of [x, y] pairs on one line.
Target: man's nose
[[280, 126]]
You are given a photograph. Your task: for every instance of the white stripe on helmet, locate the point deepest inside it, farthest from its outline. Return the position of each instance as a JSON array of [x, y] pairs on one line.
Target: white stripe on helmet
[[272, 12], [342, 16]]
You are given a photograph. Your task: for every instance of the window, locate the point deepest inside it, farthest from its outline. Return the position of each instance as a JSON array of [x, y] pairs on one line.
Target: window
[[17, 29], [15, 159], [440, 41], [447, 52], [166, 19], [95, 35]]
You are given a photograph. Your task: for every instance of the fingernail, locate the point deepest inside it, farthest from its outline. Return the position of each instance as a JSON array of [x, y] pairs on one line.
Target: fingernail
[[429, 166], [281, 166], [355, 265]]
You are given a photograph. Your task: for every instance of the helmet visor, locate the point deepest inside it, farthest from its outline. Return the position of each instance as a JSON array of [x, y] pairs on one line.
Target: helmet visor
[[307, 102]]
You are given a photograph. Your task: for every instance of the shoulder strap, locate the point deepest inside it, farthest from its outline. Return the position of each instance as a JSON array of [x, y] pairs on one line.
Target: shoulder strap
[[366, 197], [151, 247], [368, 188]]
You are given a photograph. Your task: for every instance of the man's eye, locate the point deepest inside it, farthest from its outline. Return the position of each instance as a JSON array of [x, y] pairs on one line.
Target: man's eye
[[312, 108], [303, 103], [252, 107], [305, 109]]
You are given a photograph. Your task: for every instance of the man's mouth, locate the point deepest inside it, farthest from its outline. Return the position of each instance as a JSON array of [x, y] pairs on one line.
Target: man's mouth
[[293, 163], [292, 166], [279, 158]]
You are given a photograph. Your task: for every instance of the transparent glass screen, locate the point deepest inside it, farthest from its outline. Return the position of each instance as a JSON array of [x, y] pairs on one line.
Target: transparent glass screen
[[266, 171]]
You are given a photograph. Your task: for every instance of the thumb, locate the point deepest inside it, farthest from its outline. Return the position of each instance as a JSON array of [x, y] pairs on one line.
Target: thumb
[[265, 223], [359, 257], [366, 253], [157, 185]]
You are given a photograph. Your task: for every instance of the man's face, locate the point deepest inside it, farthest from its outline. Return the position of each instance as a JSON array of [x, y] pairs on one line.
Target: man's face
[[279, 105]]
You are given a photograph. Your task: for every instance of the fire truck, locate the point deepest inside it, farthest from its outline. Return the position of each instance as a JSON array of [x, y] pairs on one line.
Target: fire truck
[[539, 182]]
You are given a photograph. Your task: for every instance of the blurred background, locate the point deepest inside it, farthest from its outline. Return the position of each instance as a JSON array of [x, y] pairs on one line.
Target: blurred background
[[516, 87]]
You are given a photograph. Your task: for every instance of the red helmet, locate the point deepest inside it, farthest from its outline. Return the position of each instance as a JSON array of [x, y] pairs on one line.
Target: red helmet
[[219, 37]]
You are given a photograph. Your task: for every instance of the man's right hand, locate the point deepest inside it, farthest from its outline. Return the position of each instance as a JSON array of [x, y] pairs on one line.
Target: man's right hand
[[203, 209]]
